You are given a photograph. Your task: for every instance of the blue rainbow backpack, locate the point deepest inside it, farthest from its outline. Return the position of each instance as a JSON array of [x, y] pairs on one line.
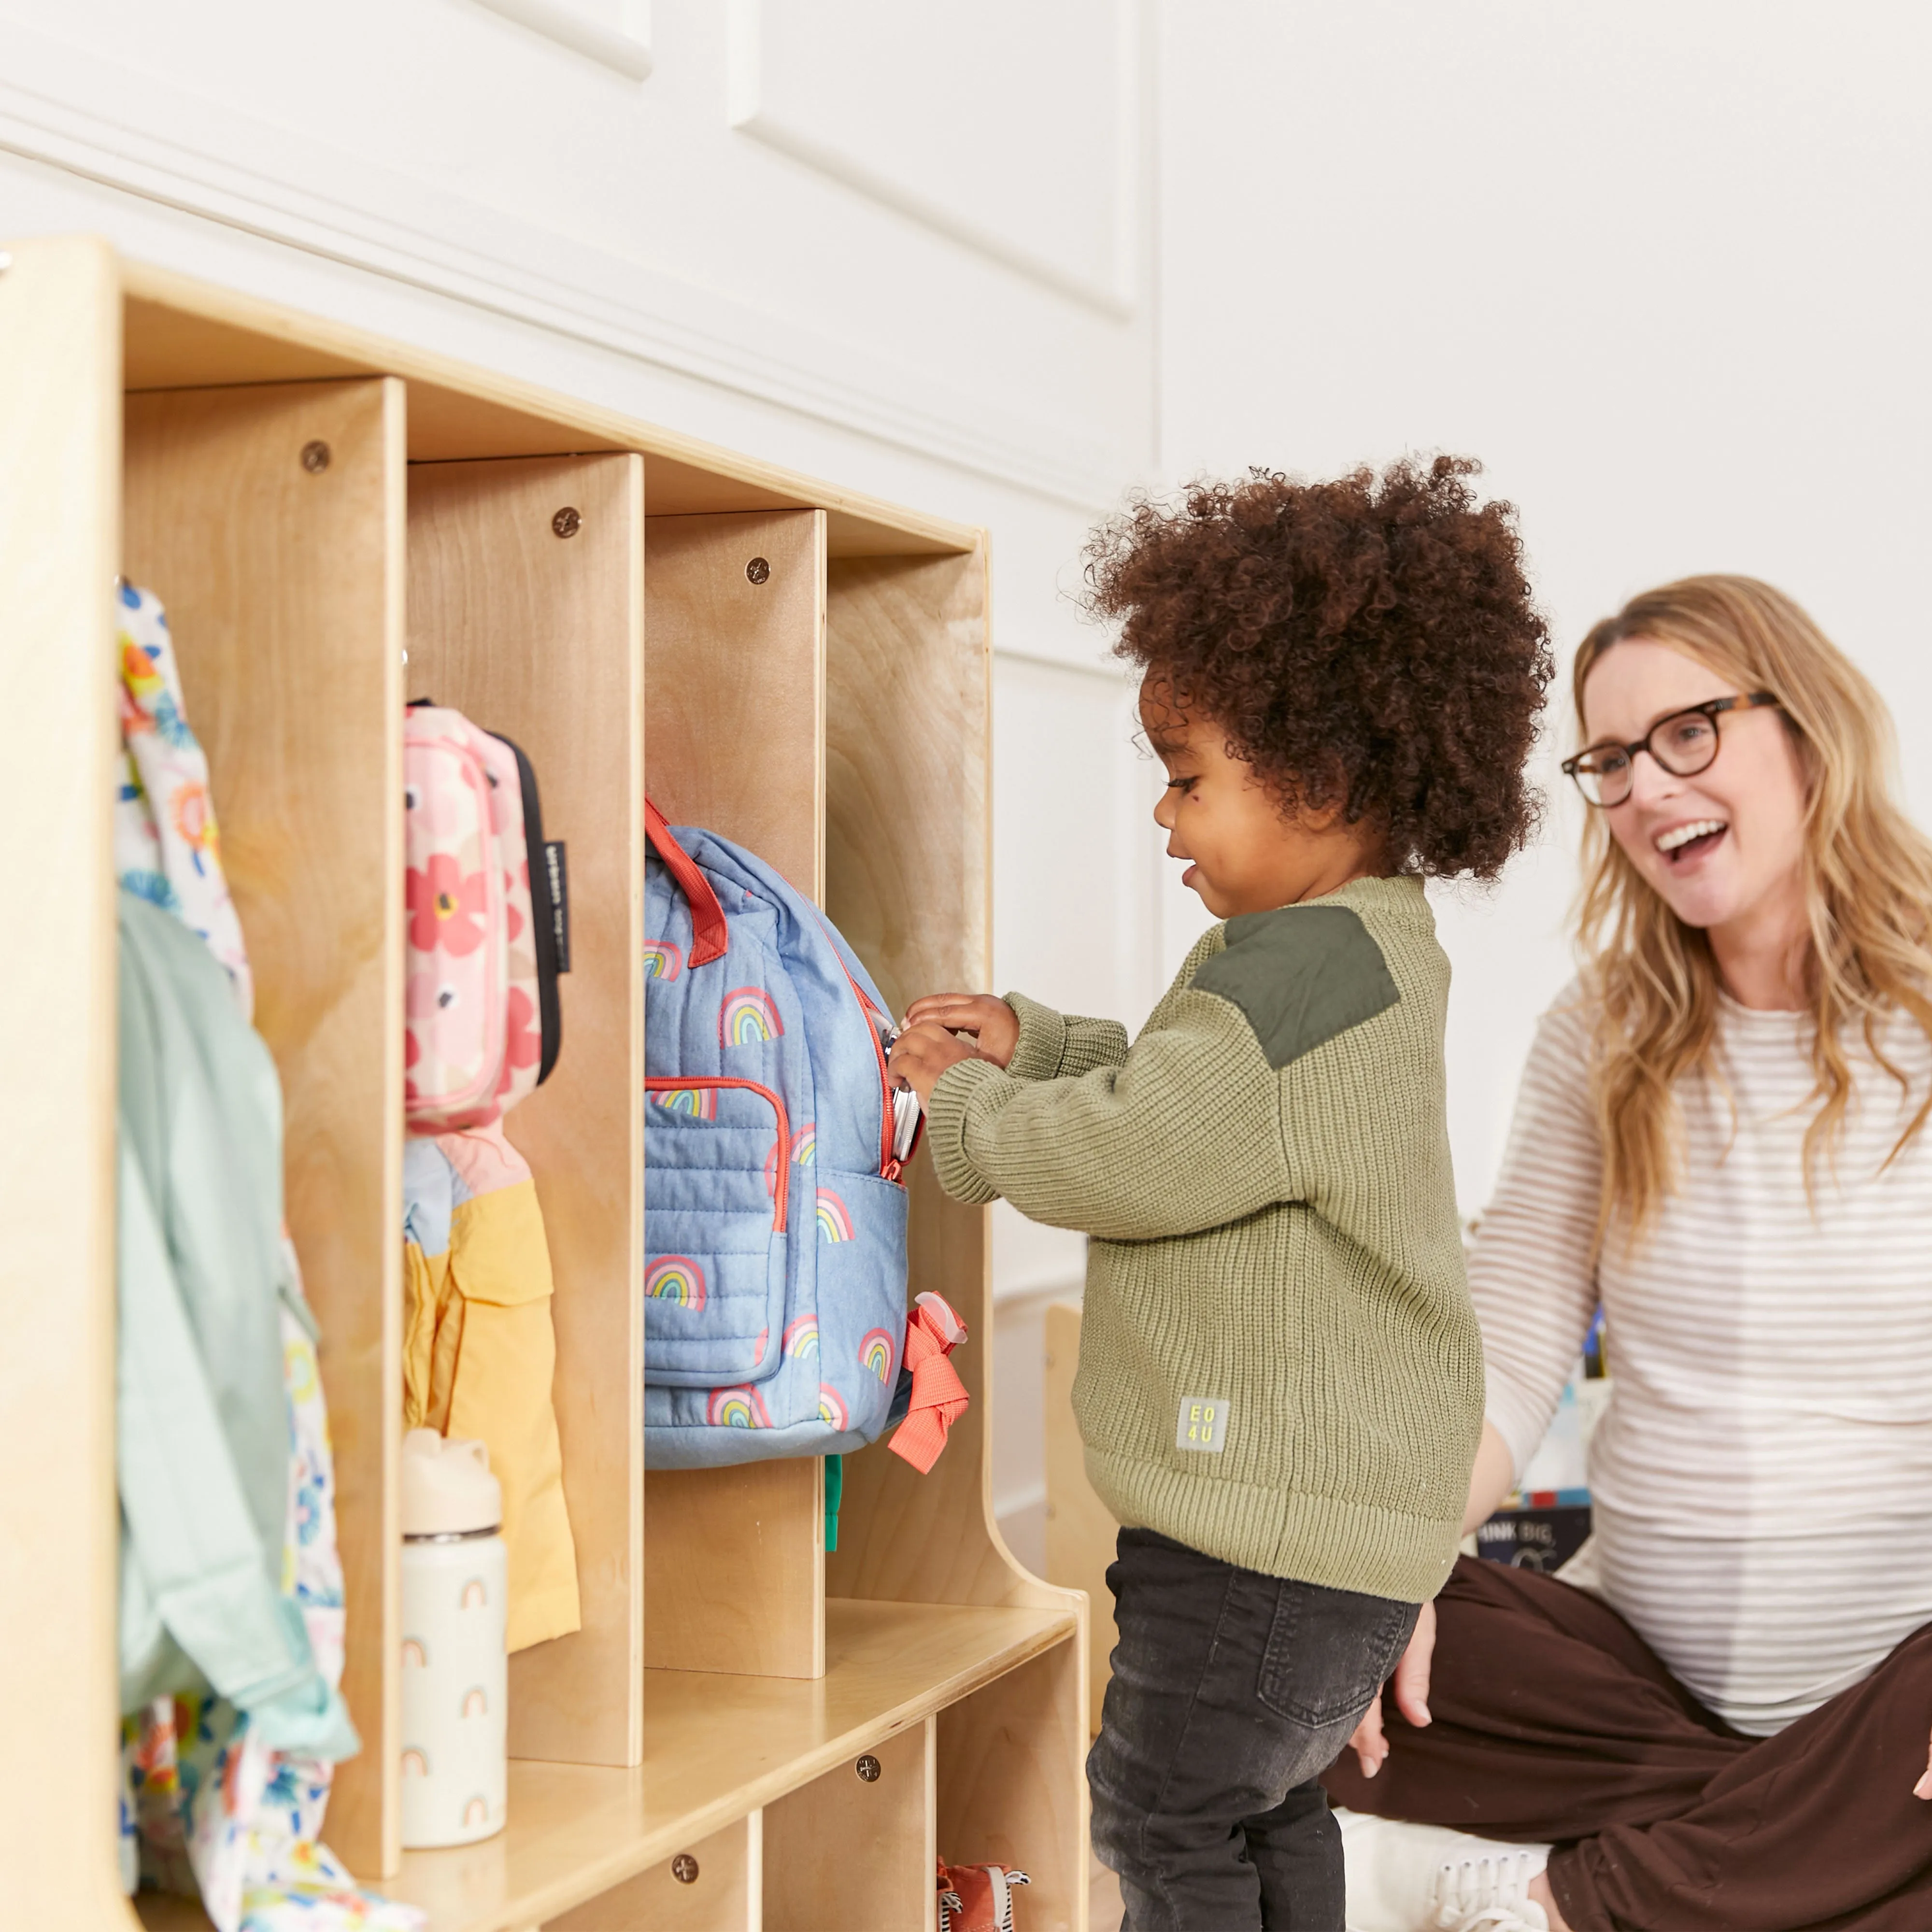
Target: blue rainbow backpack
[[775, 1220]]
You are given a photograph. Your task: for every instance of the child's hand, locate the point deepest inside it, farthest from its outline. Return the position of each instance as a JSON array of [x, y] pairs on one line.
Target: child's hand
[[992, 1022], [922, 1053]]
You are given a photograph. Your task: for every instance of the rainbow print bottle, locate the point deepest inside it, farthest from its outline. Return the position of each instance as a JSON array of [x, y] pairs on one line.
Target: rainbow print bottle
[[455, 1668]]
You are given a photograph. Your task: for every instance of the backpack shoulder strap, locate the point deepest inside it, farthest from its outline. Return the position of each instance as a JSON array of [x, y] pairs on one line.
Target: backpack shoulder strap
[[709, 936]]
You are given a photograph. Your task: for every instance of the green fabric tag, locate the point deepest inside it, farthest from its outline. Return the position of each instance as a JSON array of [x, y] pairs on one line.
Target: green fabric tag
[[835, 1488], [1300, 976]]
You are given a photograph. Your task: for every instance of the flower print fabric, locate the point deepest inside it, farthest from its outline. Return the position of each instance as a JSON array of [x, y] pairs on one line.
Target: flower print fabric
[[167, 847], [207, 1807], [472, 990], [448, 906]]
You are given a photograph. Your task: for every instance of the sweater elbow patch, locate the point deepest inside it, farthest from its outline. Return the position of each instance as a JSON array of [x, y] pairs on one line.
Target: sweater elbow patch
[[1300, 976]]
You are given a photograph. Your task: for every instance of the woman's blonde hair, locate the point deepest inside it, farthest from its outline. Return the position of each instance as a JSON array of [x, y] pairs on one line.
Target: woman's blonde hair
[[1867, 892]]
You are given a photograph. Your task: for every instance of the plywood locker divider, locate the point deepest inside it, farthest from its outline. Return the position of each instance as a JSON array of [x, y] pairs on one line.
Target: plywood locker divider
[[269, 520], [907, 667], [734, 685], [60, 484], [1004, 1797], [716, 1885], [856, 1847], [526, 614]]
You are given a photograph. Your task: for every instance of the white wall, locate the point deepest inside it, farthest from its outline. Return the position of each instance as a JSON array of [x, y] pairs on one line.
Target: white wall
[[1660, 265]]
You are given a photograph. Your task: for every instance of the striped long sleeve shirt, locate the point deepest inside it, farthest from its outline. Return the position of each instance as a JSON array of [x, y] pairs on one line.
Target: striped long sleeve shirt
[[1762, 1477]]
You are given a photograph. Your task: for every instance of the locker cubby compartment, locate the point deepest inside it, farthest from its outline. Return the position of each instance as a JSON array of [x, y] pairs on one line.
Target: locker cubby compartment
[[734, 711], [267, 519], [525, 614], [855, 1846], [309, 502]]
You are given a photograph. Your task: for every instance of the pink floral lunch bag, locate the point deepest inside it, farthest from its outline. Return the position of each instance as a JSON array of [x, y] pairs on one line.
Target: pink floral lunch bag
[[488, 929]]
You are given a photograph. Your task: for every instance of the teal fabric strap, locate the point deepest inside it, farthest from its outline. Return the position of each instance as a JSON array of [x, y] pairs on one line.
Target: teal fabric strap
[[835, 1488]]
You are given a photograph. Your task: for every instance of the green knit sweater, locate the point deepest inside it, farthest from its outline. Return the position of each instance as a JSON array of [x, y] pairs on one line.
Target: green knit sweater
[[1279, 1363]]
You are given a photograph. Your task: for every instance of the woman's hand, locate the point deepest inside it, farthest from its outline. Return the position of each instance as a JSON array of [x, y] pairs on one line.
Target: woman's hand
[[991, 1022], [1411, 1697], [922, 1053], [1923, 1789]]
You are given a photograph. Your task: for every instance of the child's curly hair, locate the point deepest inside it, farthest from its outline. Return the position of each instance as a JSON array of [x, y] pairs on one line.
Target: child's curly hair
[[1370, 643]]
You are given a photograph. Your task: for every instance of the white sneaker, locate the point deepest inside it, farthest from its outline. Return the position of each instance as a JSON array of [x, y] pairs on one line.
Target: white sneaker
[[1503, 1918], [1420, 1878], [1484, 1887]]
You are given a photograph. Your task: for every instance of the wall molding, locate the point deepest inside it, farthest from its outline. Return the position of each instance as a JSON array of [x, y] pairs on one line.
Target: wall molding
[[74, 111], [1114, 297], [627, 50]]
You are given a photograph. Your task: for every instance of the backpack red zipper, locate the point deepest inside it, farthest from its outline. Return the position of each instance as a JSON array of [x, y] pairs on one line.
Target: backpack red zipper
[[674, 1083]]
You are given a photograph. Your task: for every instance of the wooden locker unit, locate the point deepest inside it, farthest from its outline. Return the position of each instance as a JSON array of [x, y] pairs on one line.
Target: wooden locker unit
[[807, 671]]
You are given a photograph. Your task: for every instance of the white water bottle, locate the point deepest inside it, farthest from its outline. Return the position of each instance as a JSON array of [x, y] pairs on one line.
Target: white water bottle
[[455, 1669]]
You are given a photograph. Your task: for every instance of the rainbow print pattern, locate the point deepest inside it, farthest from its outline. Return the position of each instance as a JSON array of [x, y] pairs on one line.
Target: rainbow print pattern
[[475, 1596], [875, 1352], [415, 1763], [699, 1102], [475, 1704], [832, 1409], [834, 1219], [736, 1408], [662, 960], [475, 1813], [747, 1018], [415, 1652], [805, 1148], [676, 1278], [801, 1337]]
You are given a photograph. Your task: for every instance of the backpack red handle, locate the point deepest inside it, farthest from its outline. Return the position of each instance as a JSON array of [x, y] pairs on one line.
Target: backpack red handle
[[709, 936]]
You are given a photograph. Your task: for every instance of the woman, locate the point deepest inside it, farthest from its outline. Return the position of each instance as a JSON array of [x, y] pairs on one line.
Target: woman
[[1721, 1137]]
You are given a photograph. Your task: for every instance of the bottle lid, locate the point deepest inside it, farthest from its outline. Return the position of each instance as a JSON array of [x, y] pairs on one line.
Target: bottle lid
[[447, 1489]]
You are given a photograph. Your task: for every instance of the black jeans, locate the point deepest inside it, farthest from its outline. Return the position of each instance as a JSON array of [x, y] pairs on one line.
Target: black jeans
[[1232, 1692]]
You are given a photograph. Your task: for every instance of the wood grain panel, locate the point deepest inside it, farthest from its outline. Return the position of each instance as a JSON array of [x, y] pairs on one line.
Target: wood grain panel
[[1006, 1796], [184, 334], [720, 1890], [907, 716], [734, 682], [735, 1568], [60, 429], [541, 637], [734, 696], [1080, 1534], [284, 585], [843, 1851]]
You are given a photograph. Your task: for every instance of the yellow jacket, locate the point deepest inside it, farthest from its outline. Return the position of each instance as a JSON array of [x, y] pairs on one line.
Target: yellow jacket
[[479, 1351]]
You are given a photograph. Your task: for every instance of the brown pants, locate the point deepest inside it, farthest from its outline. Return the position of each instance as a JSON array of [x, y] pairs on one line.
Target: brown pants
[[1553, 1721]]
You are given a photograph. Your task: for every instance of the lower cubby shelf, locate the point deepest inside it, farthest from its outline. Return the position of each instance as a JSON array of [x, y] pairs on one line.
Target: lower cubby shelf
[[716, 1747]]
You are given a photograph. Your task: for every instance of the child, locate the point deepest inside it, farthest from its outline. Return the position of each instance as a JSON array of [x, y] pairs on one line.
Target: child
[[1281, 1381]]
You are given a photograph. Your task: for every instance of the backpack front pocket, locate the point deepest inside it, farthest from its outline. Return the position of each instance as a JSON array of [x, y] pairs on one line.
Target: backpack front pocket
[[718, 1173]]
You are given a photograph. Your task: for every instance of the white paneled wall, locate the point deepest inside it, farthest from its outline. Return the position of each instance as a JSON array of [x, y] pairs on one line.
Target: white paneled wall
[[1657, 265]]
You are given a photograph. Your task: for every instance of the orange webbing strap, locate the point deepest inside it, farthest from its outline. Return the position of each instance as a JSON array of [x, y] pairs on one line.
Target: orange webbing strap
[[709, 936], [939, 1397]]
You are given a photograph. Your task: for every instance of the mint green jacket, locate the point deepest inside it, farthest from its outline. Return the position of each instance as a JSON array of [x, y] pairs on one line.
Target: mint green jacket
[[203, 1442]]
